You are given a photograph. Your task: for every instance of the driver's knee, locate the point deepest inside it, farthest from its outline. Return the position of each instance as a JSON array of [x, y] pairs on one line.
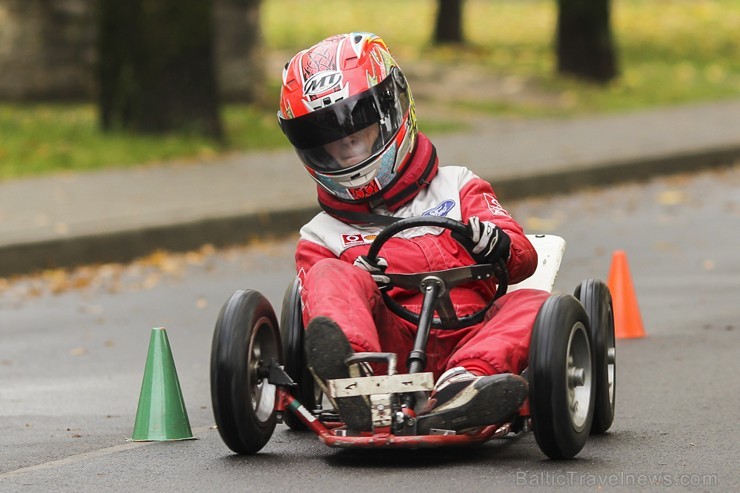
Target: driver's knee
[[338, 287], [340, 274]]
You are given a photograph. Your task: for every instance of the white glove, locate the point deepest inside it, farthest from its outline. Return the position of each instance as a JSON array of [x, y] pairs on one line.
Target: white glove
[[364, 263], [376, 269], [487, 243]]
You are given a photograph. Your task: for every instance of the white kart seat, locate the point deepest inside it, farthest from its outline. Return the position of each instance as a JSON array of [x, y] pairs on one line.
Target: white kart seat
[[550, 250]]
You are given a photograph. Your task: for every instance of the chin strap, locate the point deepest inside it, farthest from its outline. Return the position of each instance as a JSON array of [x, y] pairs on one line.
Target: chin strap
[[411, 190]]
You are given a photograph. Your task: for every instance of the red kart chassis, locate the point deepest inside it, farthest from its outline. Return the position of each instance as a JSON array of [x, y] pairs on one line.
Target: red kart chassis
[[331, 430], [382, 437]]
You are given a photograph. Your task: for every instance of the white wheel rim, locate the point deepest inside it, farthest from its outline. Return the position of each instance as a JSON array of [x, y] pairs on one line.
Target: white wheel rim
[[262, 393], [611, 360], [578, 376]]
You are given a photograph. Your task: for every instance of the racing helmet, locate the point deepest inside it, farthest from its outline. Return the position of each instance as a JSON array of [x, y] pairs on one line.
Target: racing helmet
[[347, 109]]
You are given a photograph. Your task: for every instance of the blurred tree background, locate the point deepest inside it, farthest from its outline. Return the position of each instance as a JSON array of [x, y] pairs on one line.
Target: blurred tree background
[[448, 24], [156, 70], [584, 43], [481, 58]]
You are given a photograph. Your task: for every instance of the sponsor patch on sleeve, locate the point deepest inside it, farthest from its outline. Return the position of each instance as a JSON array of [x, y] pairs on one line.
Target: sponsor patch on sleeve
[[493, 205]]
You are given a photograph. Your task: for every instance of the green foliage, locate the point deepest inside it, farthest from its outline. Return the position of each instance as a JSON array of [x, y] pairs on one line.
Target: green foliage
[[41, 138], [669, 52]]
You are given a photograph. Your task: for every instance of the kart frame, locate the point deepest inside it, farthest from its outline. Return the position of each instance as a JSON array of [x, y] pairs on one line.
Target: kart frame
[[275, 390]]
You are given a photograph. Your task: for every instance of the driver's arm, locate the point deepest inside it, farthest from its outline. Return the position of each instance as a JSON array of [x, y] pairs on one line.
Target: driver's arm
[[477, 198]]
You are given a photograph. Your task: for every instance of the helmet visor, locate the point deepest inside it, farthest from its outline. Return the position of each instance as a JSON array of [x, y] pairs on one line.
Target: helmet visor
[[348, 132]]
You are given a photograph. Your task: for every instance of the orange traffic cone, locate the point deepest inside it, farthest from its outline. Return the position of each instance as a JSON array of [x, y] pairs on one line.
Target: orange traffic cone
[[627, 319]]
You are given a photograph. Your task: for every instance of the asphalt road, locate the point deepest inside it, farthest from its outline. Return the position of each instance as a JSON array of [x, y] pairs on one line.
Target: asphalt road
[[73, 347]]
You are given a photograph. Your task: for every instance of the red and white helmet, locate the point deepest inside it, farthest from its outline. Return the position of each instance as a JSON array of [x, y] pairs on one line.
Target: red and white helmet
[[342, 88]]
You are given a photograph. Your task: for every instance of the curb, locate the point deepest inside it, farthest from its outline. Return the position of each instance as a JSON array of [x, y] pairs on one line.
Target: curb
[[607, 173], [126, 245]]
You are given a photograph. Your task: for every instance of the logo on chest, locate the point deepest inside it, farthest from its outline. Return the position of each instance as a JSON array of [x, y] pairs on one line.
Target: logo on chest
[[355, 239], [440, 210]]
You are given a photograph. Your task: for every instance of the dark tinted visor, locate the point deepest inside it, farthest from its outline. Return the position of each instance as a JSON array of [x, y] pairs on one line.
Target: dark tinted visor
[[385, 104]]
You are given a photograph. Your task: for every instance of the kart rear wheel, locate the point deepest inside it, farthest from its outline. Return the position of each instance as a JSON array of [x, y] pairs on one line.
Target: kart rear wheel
[[596, 299], [561, 392], [245, 340], [291, 334]]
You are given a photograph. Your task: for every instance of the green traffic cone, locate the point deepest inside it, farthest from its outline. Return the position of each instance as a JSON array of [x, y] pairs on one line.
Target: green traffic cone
[[161, 414]]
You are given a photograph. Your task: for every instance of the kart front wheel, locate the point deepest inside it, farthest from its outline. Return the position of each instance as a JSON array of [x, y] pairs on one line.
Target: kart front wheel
[[561, 389], [291, 334], [245, 340], [596, 299]]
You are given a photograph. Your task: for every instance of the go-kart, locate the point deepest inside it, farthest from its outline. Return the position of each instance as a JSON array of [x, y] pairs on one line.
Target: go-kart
[[259, 375]]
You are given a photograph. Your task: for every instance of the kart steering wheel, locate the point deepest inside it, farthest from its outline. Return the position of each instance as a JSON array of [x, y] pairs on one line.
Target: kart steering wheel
[[440, 281]]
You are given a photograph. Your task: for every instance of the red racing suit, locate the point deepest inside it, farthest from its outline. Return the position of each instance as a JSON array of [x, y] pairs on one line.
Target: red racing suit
[[333, 287]]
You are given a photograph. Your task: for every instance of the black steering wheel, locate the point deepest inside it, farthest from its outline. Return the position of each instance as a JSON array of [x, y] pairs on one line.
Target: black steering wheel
[[439, 282]]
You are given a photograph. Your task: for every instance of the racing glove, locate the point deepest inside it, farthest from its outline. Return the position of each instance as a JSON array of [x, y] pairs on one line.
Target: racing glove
[[376, 269], [486, 242]]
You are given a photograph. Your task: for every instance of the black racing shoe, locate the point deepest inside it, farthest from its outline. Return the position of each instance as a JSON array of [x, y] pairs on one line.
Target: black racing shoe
[[461, 400], [327, 349]]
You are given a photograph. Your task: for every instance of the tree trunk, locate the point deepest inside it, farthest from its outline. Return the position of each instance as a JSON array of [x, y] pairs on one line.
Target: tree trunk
[[156, 67], [240, 55], [448, 26], [585, 48]]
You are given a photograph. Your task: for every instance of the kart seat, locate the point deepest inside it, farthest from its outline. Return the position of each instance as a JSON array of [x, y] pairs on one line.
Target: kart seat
[[550, 250]]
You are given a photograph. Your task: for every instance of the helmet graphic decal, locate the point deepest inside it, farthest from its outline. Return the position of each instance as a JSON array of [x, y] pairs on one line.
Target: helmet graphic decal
[[358, 41], [387, 60], [365, 192], [322, 82], [322, 57]]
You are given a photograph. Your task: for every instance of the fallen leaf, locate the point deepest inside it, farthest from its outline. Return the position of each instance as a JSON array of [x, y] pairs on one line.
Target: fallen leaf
[[91, 309], [664, 246], [150, 282], [78, 351], [61, 228], [672, 197]]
